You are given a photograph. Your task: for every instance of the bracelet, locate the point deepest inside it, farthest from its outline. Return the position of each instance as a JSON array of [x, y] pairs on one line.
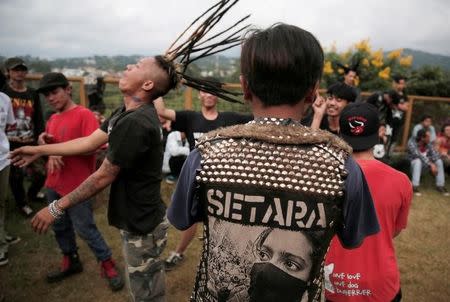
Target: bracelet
[[55, 210]]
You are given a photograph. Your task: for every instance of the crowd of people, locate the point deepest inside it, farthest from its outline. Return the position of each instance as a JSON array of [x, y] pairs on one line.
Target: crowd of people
[[275, 190]]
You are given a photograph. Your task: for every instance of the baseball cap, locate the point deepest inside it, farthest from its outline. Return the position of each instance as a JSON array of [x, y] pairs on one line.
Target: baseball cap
[[342, 91], [52, 80], [359, 125], [12, 63]]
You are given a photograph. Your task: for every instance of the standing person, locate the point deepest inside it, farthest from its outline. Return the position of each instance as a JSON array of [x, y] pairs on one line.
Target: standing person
[[370, 272], [351, 77], [134, 160], [30, 123], [258, 186], [391, 107], [133, 134], [326, 115], [399, 84], [195, 124], [6, 120], [65, 174], [423, 156]]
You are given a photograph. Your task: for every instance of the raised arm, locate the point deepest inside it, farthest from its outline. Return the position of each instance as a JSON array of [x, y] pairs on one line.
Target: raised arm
[[319, 107], [25, 155], [165, 113]]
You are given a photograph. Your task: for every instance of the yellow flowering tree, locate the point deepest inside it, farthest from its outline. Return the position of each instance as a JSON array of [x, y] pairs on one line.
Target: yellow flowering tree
[[375, 67]]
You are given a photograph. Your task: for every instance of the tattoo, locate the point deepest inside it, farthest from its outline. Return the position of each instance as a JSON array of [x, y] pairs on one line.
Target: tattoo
[[104, 176]]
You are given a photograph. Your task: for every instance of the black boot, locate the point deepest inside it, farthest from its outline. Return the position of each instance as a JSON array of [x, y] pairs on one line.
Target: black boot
[[70, 265]]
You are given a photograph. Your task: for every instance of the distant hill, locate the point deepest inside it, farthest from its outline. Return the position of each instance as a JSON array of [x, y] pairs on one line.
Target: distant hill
[[215, 63], [422, 58]]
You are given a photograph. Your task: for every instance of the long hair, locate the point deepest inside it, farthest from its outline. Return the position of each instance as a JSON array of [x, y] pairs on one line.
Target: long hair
[[188, 48]]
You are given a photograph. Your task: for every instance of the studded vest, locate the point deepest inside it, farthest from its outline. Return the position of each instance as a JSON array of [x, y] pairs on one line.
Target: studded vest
[[272, 192]]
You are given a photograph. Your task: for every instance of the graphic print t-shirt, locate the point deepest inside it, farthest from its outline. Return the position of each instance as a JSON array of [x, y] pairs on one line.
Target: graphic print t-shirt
[[370, 272], [194, 124], [6, 119], [28, 113]]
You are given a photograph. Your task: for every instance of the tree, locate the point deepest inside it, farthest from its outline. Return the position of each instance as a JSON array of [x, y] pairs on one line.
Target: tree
[[375, 70]]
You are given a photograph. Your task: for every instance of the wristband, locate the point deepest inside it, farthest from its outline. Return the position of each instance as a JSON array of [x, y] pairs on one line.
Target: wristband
[[55, 210]]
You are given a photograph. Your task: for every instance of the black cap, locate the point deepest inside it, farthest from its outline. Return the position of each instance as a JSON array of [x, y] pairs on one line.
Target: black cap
[[359, 125], [342, 91], [12, 63], [52, 80]]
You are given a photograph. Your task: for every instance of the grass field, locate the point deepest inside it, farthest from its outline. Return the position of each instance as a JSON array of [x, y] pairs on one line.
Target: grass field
[[422, 250]]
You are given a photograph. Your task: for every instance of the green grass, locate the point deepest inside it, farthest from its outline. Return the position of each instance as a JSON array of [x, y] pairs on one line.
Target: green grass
[[422, 250]]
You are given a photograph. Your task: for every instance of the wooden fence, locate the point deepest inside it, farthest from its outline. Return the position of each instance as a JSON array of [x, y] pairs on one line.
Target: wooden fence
[[188, 100]]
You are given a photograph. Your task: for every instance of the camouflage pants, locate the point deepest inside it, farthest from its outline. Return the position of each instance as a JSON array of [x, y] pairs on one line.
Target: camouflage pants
[[144, 269]]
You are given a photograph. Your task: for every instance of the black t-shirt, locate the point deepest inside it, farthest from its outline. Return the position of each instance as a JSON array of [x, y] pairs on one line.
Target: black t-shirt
[[28, 113], [135, 145], [324, 125], [194, 124], [384, 112]]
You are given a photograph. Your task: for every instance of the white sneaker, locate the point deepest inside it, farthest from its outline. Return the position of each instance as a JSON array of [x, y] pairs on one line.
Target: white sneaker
[[173, 260], [12, 239], [26, 210]]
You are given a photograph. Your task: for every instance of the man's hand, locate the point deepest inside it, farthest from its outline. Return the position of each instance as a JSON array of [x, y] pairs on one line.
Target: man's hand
[[23, 156], [319, 106], [433, 169], [45, 138], [55, 163], [42, 220]]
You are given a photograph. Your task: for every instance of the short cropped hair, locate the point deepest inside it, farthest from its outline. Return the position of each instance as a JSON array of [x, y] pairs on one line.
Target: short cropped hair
[[166, 84], [425, 116], [281, 64]]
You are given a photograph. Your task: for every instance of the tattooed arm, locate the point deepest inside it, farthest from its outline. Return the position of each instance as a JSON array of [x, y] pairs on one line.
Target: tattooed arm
[[104, 176]]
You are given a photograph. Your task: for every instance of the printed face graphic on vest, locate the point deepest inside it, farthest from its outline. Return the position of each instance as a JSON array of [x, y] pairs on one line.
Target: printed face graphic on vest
[[357, 124], [261, 248]]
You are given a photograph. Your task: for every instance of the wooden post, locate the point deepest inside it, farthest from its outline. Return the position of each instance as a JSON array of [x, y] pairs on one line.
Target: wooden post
[[407, 125], [188, 98], [83, 101]]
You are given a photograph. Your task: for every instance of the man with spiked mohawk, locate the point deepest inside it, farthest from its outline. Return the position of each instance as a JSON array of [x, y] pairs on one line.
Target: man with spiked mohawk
[[134, 158], [272, 193]]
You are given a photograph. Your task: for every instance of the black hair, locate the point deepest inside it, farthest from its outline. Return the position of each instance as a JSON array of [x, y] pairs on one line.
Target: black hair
[[444, 126], [424, 117], [170, 82], [397, 78], [342, 91], [281, 63], [347, 70], [421, 134]]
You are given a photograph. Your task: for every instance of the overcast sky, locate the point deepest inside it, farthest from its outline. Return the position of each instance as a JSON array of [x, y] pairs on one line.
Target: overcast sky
[[61, 28]]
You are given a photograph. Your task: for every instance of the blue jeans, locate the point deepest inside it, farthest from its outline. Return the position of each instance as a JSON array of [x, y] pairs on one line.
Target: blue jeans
[[80, 219], [416, 170]]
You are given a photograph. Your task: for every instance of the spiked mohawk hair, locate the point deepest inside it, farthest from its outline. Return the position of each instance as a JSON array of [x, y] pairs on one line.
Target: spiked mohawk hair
[[200, 44]]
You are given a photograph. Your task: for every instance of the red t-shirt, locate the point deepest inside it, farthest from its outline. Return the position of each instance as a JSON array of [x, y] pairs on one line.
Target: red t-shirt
[[65, 126], [370, 272]]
